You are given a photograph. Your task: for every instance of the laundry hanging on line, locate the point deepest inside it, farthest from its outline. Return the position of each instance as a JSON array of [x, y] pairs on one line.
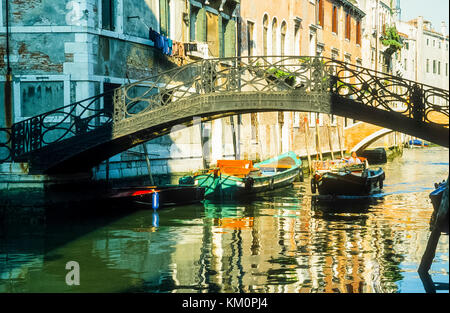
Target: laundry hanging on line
[[161, 42]]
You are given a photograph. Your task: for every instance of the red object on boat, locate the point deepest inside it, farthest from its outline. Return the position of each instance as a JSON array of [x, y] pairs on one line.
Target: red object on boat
[[143, 192]]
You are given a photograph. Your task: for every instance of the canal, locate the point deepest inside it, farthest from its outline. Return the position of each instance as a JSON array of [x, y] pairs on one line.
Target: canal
[[280, 242]]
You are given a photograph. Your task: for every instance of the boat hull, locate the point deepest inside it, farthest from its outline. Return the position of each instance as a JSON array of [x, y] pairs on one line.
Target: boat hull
[[168, 195], [349, 183], [228, 187]]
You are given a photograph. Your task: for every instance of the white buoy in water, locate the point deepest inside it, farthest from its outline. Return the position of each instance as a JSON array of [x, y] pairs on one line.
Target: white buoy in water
[[155, 200]]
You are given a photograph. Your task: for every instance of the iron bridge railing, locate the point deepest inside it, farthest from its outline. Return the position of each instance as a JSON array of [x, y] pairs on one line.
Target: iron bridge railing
[[421, 102]]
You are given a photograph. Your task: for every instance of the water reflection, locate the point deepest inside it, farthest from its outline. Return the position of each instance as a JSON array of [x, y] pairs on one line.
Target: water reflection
[[283, 241]]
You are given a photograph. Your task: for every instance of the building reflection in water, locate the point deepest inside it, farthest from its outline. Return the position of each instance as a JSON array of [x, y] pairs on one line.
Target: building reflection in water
[[279, 242]]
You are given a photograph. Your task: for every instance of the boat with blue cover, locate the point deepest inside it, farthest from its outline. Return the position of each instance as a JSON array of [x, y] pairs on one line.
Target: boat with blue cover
[[232, 179]]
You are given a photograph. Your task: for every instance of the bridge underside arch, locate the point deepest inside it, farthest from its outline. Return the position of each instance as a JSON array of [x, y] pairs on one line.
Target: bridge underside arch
[[363, 144], [81, 153]]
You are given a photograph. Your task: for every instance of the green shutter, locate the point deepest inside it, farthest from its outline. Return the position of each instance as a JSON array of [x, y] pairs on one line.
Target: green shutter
[[201, 25], [221, 38], [164, 17], [230, 39]]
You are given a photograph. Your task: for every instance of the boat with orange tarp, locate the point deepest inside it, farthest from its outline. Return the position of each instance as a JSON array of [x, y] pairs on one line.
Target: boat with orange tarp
[[235, 178]]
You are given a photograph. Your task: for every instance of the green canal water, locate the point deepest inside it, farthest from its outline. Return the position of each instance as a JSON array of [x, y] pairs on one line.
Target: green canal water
[[280, 242]]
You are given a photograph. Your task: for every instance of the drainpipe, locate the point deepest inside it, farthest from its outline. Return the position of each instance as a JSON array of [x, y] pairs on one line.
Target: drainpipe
[[376, 37], [7, 91], [237, 142]]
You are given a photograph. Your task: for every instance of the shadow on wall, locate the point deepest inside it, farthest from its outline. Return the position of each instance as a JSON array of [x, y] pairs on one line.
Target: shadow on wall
[[165, 159]]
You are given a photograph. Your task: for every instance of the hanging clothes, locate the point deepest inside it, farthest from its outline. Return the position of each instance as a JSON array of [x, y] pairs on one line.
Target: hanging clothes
[[157, 39], [178, 49], [170, 47], [190, 47]]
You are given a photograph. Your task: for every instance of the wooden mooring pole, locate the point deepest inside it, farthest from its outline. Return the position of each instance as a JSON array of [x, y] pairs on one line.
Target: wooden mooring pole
[[340, 140], [306, 145], [319, 145], [436, 230], [330, 143]]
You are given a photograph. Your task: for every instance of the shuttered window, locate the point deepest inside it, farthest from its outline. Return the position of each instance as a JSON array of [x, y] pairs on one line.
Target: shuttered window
[[108, 14], [358, 32], [347, 26], [334, 27]]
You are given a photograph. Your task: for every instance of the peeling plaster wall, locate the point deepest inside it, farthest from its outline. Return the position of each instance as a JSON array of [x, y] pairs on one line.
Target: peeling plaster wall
[[147, 11], [38, 53], [38, 12]]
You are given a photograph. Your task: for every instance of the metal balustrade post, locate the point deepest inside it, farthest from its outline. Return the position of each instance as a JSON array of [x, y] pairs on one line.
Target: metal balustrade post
[[418, 103]]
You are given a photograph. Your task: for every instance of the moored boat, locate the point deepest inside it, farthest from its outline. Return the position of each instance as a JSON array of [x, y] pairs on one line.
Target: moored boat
[[436, 199], [417, 143], [232, 179], [157, 196], [337, 177]]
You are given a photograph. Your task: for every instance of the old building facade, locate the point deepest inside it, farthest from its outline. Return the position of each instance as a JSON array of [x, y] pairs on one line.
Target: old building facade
[[299, 28], [60, 53], [425, 52]]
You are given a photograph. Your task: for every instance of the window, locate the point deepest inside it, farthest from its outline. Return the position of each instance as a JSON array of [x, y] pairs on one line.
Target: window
[[283, 38], [334, 20], [372, 56], [250, 42], [406, 62], [434, 66], [439, 68], [265, 32], [439, 45], [315, 118], [428, 65], [358, 32], [193, 22], [319, 12], [164, 15], [108, 14], [333, 120], [334, 54], [222, 39], [347, 26], [434, 43], [428, 42], [274, 36], [297, 43], [407, 45]]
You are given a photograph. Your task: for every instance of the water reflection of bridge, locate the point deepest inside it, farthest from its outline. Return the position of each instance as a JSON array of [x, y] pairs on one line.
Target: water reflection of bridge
[[81, 135]]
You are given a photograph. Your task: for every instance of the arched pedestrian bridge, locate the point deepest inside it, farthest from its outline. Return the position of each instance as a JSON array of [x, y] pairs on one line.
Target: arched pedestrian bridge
[[81, 135]]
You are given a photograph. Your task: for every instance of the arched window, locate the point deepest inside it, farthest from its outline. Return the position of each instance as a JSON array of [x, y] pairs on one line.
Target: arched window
[[274, 36], [283, 38], [265, 33]]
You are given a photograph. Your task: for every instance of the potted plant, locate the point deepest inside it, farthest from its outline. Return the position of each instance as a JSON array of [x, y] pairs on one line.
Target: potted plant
[[274, 74]]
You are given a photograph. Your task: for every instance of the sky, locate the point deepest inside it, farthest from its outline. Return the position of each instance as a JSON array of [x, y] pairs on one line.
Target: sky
[[434, 11]]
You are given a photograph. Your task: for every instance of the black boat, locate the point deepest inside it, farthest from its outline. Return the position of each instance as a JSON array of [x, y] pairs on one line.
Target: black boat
[[157, 196], [436, 198], [351, 180]]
